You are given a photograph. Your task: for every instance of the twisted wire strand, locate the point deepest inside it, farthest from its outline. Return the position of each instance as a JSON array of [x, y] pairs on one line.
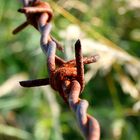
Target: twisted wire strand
[[88, 125]]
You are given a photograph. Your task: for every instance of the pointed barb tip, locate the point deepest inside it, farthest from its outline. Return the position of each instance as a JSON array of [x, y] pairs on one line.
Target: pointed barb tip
[[78, 43]]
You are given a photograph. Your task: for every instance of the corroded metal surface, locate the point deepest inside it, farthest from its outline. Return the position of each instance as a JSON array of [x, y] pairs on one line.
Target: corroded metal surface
[[65, 77]]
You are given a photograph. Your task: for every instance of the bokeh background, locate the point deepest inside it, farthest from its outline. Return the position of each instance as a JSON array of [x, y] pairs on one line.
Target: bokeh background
[[110, 28]]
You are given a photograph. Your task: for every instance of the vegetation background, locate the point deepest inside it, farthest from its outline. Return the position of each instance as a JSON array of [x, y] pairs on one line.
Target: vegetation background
[[110, 28]]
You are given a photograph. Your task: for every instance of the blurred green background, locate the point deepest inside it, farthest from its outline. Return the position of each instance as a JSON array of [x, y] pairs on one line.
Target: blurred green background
[[110, 28]]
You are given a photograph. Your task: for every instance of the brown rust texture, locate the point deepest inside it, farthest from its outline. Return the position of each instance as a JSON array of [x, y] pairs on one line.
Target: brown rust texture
[[33, 13], [38, 14], [79, 64]]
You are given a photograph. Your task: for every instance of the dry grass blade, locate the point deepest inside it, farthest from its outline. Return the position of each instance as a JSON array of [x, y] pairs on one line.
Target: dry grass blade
[[11, 84], [15, 132], [55, 110]]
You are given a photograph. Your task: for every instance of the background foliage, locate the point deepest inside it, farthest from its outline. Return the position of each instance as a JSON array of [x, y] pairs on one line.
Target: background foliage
[[108, 27]]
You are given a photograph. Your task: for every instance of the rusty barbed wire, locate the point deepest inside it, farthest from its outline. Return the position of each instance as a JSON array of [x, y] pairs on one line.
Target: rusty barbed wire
[[65, 77]]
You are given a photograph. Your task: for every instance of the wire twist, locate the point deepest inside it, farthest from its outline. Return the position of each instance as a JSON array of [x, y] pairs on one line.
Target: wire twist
[[89, 126], [68, 77]]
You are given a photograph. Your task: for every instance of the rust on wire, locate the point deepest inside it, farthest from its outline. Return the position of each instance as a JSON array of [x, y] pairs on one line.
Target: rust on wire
[[66, 77], [38, 14], [33, 12], [79, 64]]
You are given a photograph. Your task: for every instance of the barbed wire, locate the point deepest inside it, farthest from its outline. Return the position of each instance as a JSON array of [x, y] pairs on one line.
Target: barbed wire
[[68, 77]]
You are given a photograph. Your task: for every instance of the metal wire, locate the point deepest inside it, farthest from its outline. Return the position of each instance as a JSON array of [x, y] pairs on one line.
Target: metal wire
[[71, 89]]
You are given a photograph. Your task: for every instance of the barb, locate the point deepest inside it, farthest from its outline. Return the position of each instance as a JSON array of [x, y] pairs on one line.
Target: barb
[[35, 83], [79, 64], [65, 77]]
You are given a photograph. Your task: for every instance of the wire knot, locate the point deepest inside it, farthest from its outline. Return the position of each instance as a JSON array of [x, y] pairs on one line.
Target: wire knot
[[62, 77], [37, 12], [34, 11]]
